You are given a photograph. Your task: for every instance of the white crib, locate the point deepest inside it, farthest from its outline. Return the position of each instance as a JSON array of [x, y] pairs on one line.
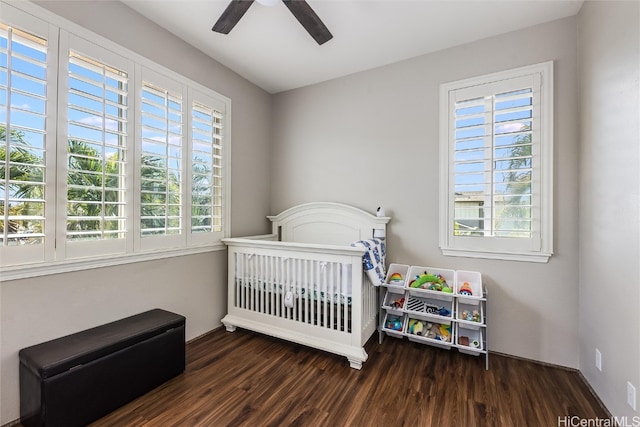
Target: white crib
[[305, 282]]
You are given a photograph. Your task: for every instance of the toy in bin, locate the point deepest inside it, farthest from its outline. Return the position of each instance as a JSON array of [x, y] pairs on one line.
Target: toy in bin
[[397, 303], [416, 326], [396, 279], [434, 331], [434, 309], [471, 316], [465, 289], [432, 282], [439, 332], [468, 343], [394, 323]]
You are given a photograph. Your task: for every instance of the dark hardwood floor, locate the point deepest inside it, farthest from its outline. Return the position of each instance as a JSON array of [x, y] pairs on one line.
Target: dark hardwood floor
[[246, 379]]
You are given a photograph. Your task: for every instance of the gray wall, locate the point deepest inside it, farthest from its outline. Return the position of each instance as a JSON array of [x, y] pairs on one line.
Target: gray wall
[[609, 58], [39, 309], [371, 139]]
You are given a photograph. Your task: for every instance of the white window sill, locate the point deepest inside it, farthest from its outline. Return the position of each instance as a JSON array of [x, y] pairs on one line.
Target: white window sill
[[538, 257], [35, 270]]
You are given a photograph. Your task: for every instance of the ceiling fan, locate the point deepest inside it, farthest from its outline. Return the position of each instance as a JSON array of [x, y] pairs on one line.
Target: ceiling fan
[[299, 8]]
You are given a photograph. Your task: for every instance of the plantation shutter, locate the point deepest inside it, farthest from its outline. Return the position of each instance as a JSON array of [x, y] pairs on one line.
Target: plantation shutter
[[162, 179], [207, 118], [26, 87], [497, 165], [493, 159], [97, 205], [97, 148], [105, 156]]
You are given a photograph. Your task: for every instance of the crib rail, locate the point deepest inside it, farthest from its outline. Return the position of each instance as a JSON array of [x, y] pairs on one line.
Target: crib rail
[[303, 290], [317, 295]]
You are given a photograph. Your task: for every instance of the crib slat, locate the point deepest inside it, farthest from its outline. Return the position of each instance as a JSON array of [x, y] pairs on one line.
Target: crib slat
[[297, 291], [267, 284], [287, 286], [324, 300], [238, 279], [290, 287], [253, 275], [246, 294], [243, 288], [345, 306], [334, 288], [280, 279], [328, 299], [299, 287], [255, 282], [259, 285], [309, 303], [272, 276], [335, 295], [303, 296], [315, 306]]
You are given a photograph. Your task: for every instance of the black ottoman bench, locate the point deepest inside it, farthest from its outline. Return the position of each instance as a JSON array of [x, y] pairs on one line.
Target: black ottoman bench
[[76, 379]]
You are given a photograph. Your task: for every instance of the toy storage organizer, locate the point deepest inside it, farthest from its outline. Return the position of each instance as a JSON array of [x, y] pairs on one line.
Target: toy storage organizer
[[435, 306]]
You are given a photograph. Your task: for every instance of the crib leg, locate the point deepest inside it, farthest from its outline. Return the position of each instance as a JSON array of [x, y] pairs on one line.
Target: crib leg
[[229, 327], [355, 364]]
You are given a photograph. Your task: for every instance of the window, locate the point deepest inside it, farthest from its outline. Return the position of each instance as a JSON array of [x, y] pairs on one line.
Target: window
[[102, 159], [97, 211], [208, 170], [26, 145], [181, 185], [497, 165], [161, 162]]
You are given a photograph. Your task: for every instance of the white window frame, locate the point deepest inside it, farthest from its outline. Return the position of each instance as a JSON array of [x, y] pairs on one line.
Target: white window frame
[[56, 256], [539, 247]]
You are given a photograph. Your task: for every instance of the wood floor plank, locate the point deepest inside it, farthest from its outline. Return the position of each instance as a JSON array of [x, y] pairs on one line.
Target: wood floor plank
[[247, 379]]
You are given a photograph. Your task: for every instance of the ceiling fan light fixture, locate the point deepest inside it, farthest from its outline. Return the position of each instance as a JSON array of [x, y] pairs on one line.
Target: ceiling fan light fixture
[[268, 2]]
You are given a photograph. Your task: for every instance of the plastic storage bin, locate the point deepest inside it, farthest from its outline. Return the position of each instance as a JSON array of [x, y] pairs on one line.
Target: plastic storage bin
[[469, 314], [394, 302], [469, 341], [429, 308], [448, 283], [426, 336], [396, 275], [390, 327], [469, 286]]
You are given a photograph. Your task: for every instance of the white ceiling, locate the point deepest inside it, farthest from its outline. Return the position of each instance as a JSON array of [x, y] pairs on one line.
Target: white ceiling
[[271, 49]]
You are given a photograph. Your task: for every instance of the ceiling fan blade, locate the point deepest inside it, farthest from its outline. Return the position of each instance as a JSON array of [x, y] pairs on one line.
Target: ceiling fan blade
[[231, 16], [309, 20]]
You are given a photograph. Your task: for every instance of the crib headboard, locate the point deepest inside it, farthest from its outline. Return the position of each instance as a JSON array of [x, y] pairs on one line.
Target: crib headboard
[[326, 223]]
